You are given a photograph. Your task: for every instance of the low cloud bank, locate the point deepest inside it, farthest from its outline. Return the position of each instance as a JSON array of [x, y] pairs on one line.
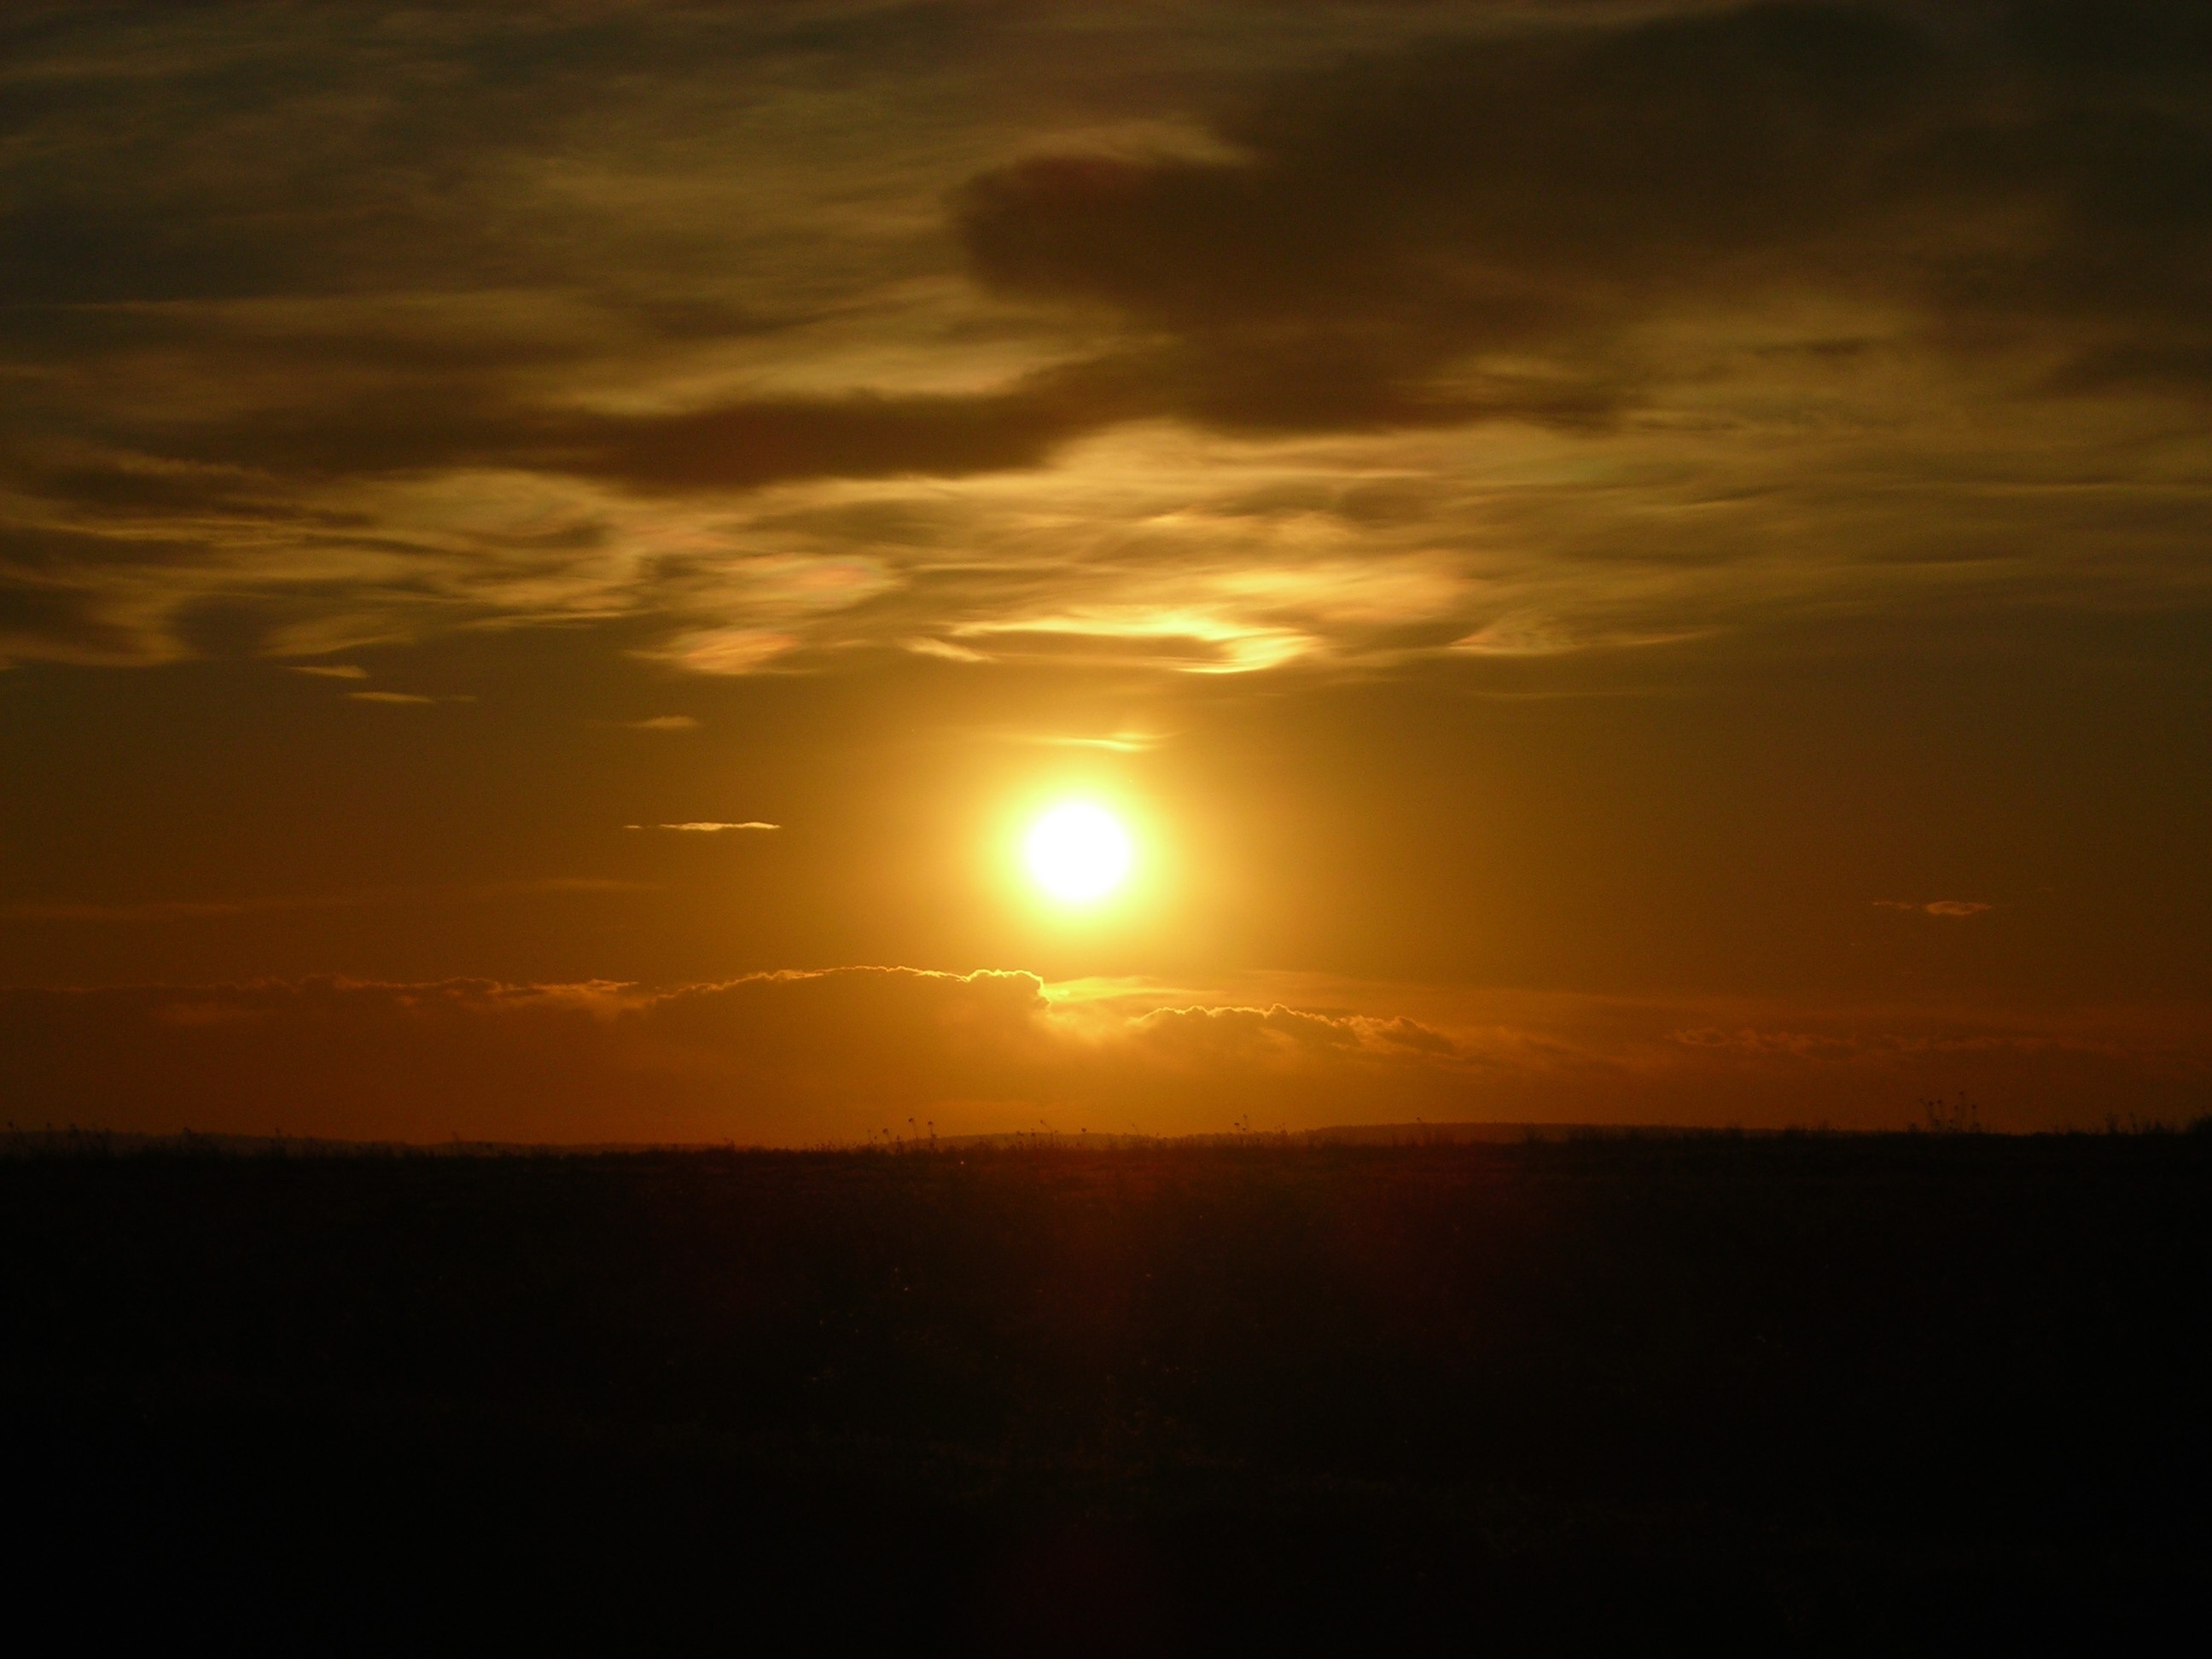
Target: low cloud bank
[[835, 1056], [776, 1057]]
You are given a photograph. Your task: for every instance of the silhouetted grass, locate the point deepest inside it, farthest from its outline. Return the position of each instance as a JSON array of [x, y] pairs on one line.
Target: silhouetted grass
[[1793, 1388]]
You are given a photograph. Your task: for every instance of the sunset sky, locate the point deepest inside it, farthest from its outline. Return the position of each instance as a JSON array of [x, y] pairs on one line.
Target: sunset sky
[[1612, 563]]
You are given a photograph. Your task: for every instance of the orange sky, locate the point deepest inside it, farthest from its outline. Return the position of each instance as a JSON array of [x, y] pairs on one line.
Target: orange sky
[[1628, 564]]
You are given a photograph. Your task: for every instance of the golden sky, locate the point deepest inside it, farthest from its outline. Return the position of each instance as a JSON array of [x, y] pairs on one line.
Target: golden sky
[[1622, 562]]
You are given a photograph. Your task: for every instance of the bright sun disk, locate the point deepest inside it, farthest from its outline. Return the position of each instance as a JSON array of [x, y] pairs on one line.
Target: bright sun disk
[[1079, 852]]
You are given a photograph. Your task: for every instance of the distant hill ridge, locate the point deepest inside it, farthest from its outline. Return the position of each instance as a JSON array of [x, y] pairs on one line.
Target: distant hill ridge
[[73, 1139]]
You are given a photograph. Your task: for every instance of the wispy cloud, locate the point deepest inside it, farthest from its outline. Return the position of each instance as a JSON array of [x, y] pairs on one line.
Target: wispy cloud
[[339, 670], [704, 827], [1119, 743], [1937, 907], [403, 697], [655, 723]]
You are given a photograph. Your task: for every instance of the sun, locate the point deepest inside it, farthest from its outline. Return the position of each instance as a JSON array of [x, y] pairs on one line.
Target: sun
[[1079, 852]]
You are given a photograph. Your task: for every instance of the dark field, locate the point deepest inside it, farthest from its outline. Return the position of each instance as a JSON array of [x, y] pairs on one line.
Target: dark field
[[1856, 1392]]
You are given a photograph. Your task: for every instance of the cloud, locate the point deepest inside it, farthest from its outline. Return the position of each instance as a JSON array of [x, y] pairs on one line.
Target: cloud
[[1119, 743], [799, 1057], [1192, 641], [707, 828], [788, 1056], [657, 723], [1479, 228], [1937, 907], [725, 650], [344, 671], [1487, 332]]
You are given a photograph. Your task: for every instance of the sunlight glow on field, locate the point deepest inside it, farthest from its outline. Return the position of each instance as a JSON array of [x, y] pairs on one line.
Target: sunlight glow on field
[[1079, 852]]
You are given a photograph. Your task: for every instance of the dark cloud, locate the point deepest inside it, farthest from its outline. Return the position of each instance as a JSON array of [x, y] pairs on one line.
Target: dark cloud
[[328, 240], [1471, 229], [752, 444], [238, 150], [254, 263], [1537, 195], [64, 593]]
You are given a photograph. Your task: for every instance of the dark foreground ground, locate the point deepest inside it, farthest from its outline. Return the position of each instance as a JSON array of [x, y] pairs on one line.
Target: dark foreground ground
[[1820, 1393]]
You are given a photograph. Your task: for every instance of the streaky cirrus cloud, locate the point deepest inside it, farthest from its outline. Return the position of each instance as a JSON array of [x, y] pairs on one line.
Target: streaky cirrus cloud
[[804, 1056]]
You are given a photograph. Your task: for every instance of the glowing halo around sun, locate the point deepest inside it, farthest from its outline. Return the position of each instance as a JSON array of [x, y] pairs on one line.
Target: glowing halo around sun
[[1079, 852]]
